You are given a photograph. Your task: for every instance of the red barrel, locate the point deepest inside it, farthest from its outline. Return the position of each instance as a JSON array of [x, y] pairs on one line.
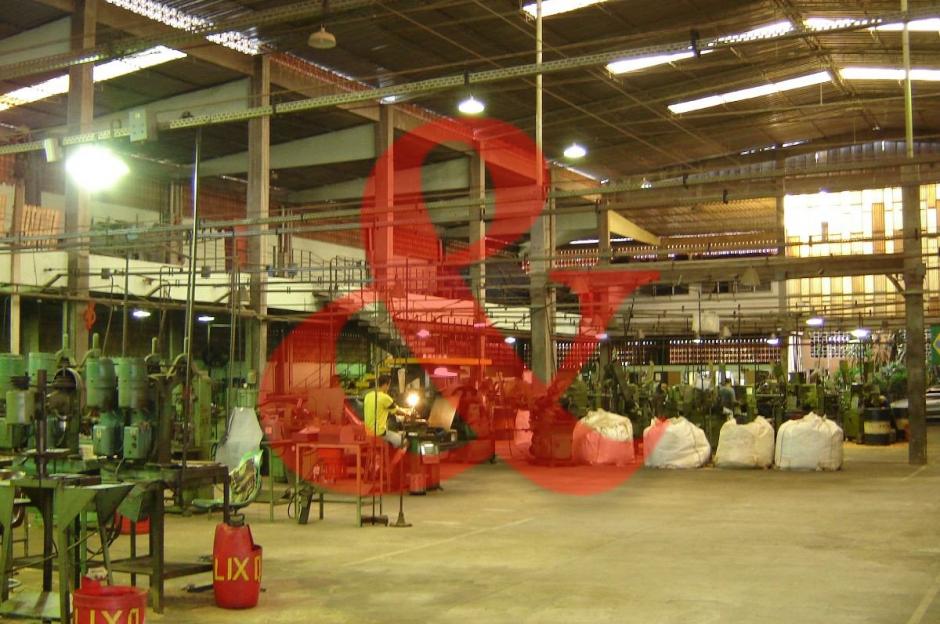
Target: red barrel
[[236, 567], [97, 604]]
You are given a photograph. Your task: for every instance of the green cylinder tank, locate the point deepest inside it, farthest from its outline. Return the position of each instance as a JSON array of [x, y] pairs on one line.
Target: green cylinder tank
[[100, 381], [20, 407], [132, 382], [42, 361], [11, 365]]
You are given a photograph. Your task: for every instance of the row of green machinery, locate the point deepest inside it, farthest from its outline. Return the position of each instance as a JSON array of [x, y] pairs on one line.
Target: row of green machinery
[[128, 408], [101, 434]]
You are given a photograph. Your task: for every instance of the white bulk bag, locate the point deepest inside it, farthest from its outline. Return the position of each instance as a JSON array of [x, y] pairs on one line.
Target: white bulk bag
[[675, 443], [745, 446], [809, 443], [603, 438]]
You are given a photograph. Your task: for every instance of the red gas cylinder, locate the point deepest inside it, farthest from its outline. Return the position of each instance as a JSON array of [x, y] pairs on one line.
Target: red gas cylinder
[[236, 567], [97, 604]]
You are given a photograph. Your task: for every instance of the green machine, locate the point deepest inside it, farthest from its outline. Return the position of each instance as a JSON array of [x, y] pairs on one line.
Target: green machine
[[14, 431]]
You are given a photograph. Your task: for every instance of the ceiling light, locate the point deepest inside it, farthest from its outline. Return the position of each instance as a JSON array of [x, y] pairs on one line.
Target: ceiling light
[[603, 336], [752, 92], [106, 71], [471, 106], [888, 73], [554, 7], [628, 65], [174, 18], [510, 340], [443, 371], [422, 333], [923, 25], [773, 341], [815, 321], [861, 332], [322, 39], [140, 314], [95, 168], [697, 340], [575, 151], [205, 318], [389, 99]]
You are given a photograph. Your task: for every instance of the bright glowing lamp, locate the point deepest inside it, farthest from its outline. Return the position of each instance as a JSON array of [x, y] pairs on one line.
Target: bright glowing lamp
[[140, 314], [815, 321], [95, 168], [575, 151], [861, 333], [205, 318], [471, 106], [510, 340], [412, 399]]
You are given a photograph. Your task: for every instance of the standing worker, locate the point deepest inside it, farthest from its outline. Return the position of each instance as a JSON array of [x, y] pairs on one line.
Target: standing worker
[[376, 407], [727, 397]]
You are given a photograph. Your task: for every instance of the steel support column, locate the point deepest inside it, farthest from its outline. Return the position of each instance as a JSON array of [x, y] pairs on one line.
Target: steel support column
[[477, 240], [916, 357], [383, 237], [259, 247], [80, 117]]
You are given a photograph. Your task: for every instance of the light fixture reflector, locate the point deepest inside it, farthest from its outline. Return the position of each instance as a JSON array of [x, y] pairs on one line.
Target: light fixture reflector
[[790, 84], [575, 151], [471, 106], [554, 7], [95, 168]]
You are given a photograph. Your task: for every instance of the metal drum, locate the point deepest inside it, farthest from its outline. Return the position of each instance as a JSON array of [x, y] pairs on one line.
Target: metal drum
[[132, 382], [876, 426], [901, 422], [100, 381], [11, 365], [42, 361]]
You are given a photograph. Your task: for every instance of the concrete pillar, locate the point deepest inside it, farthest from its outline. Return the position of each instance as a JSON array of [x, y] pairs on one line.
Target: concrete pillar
[[604, 257], [782, 301], [259, 247], [477, 240], [19, 198], [79, 115], [914, 313], [383, 234], [541, 297]]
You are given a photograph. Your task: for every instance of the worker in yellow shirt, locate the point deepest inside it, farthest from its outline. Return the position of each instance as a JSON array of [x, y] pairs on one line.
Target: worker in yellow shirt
[[377, 406]]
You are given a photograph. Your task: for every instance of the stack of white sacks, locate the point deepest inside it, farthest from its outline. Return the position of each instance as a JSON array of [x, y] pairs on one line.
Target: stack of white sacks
[[810, 443], [675, 443], [603, 438]]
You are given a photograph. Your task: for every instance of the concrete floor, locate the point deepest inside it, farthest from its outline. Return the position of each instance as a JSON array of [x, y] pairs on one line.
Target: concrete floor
[[687, 547]]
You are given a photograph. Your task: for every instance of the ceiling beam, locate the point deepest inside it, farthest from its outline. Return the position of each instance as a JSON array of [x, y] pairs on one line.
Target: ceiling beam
[[625, 227]]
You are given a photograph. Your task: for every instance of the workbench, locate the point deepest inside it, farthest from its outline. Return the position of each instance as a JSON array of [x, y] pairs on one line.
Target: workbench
[[151, 482], [60, 500]]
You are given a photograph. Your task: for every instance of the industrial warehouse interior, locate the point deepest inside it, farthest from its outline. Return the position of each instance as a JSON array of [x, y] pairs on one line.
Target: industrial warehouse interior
[[469, 311]]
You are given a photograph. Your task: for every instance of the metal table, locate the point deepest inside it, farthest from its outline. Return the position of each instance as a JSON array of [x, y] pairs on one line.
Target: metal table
[[354, 447], [151, 482], [60, 500]]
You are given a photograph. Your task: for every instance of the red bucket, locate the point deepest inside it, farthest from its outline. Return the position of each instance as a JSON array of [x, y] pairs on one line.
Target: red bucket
[[95, 603], [143, 527], [236, 567]]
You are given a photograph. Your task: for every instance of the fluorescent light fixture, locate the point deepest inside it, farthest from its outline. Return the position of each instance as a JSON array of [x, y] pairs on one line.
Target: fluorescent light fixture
[[861, 332], [160, 12], [205, 318], [140, 314], [554, 7], [443, 371], [575, 151], [923, 25], [603, 336], [510, 340], [773, 341], [106, 71], [627, 65], [422, 333], [471, 106], [94, 167], [761, 32], [389, 99], [696, 340], [815, 321], [752, 92], [594, 241], [888, 73]]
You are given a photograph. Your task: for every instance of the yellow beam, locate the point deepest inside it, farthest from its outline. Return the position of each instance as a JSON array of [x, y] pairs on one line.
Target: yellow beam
[[624, 227]]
